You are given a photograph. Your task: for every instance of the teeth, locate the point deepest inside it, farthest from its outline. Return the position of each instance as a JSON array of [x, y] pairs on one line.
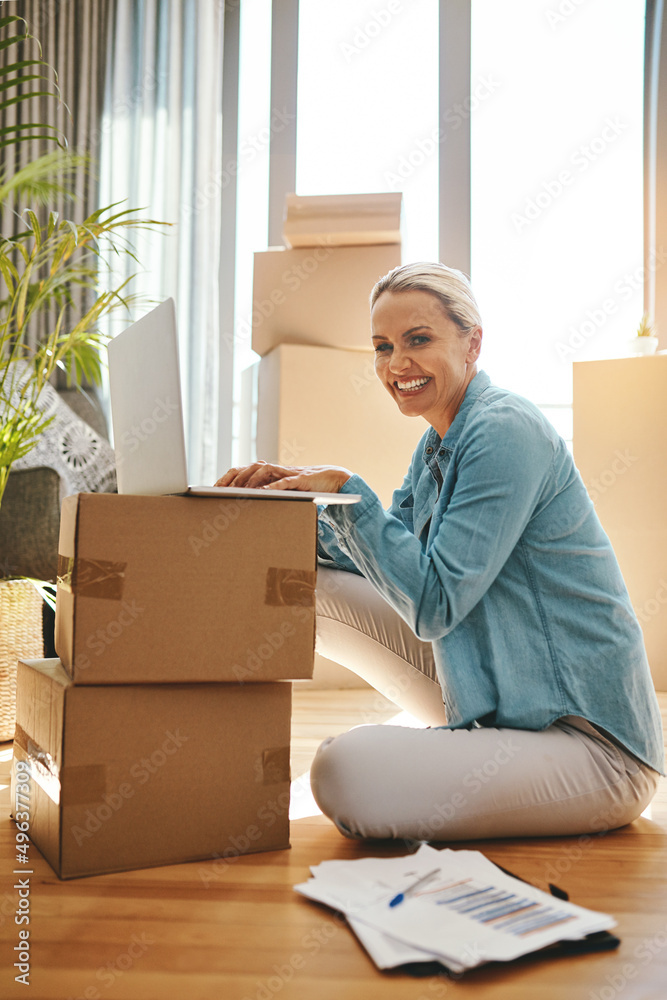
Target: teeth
[[415, 383]]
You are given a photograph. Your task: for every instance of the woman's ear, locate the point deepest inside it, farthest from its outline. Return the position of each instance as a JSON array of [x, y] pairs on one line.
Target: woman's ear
[[474, 345]]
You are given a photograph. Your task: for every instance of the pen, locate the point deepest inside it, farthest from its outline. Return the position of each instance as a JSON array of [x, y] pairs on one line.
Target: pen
[[413, 888]]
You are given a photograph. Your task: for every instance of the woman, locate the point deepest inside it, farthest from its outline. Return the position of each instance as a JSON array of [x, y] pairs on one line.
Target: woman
[[517, 615]]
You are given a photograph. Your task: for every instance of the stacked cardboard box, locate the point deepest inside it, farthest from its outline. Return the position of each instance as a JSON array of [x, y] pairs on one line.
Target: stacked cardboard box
[[351, 420], [344, 220], [162, 733], [319, 401], [317, 295], [619, 410]]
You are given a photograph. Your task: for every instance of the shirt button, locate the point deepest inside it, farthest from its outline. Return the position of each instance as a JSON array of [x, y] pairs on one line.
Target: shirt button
[[429, 450], [441, 452]]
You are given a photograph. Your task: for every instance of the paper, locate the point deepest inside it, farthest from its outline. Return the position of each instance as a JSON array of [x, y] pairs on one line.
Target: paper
[[470, 912]]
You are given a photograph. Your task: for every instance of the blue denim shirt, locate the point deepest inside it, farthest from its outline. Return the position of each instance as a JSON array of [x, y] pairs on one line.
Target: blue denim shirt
[[492, 551]]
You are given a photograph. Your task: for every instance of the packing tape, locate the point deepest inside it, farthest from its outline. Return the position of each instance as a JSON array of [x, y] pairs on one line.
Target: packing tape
[[91, 577], [290, 587], [85, 784], [275, 765], [43, 768]]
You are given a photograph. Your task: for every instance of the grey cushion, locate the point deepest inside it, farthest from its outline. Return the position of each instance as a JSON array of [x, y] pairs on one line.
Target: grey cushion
[[30, 510], [29, 524]]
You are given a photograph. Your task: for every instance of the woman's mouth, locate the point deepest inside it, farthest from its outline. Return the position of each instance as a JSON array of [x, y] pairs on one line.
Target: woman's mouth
[[410, 387]]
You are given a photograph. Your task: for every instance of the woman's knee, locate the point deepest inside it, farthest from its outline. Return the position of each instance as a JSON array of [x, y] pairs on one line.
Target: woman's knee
[[330, 774], [355, 780], [341, 779]]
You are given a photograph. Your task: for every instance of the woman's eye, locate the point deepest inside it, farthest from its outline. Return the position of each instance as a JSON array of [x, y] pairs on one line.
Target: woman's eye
[[381, 348], [418, 340]]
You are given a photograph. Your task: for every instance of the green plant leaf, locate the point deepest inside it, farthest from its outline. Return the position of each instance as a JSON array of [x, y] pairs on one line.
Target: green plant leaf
[[35, 226], [46, 177], [5, 43], [13, 19], [22, 64], [18, 81], [25, 97]]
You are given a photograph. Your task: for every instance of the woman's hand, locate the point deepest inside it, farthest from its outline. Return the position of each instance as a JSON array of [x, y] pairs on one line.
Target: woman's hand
[[315, 478]]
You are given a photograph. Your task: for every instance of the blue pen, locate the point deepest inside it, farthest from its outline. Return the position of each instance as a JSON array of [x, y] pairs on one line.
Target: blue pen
[[413, 888]]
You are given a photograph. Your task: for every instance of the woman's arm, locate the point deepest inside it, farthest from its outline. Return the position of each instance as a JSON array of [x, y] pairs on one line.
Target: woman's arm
[[324, 479], [504, 462]]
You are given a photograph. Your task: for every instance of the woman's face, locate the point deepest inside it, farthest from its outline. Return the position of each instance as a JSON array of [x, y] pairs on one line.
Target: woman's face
[[421, 357]]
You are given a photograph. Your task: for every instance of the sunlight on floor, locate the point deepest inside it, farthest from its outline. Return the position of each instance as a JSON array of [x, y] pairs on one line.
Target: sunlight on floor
[[405, 719], [302, 803]]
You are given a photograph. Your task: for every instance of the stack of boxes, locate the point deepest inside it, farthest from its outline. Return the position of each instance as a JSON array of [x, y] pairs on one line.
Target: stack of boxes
[[162, 732], [621, 453], [318, 399]]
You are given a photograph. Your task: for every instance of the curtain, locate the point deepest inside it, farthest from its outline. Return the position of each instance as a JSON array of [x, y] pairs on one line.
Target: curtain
[[655, 163], [161, 151], [73, 39]]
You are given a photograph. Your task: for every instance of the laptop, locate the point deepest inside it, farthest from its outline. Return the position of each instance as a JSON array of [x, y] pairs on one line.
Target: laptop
[[147, 417]]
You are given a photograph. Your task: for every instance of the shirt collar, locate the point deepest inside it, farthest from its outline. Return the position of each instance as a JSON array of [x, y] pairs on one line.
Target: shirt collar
[[478, 384]]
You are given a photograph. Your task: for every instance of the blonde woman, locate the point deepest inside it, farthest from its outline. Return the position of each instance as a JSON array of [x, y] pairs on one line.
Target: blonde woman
[[486, 600]]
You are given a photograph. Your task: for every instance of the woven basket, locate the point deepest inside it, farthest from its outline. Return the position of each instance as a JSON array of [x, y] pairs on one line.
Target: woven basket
[[21, 637]]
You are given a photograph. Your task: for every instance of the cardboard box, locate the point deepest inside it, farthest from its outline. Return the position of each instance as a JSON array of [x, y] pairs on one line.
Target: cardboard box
[[317, 295], [620, 411], [320, 406], [342, 219], [136, 776], [179, 589]]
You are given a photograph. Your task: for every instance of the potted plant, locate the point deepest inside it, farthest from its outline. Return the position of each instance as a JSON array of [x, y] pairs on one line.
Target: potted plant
[[38, 268], [42, 263], [645, 341]]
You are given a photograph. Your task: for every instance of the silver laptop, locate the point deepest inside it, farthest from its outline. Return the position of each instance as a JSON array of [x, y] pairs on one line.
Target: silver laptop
[[147, 416]]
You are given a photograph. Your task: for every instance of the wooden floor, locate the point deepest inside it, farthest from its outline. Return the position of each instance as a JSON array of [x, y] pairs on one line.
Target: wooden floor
[[194, 932]]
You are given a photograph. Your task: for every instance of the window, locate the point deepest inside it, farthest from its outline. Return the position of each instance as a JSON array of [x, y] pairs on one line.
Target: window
[[555, 110], [556, 179], [367, 110]]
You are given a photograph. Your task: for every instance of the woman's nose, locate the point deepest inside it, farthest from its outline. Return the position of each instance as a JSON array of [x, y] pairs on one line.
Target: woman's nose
[[399, 362]]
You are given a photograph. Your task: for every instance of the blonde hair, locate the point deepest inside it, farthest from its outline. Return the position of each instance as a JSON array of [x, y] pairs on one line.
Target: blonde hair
[[450, 287]]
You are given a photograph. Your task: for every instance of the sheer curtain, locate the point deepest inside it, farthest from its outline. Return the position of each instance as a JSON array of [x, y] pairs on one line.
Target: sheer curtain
[[161, 151]]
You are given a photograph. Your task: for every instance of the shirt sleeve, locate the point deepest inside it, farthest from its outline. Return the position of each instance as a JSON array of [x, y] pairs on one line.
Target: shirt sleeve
[[503, 464], [329, 553]]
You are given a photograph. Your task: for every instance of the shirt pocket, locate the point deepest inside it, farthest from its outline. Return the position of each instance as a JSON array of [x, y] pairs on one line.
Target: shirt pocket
[[407, 511]]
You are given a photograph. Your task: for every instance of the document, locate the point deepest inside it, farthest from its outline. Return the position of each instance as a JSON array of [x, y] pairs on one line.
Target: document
[[451, 906]]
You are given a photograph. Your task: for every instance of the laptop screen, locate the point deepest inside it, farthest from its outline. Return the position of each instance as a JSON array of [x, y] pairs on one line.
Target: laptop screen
[[146, 408]]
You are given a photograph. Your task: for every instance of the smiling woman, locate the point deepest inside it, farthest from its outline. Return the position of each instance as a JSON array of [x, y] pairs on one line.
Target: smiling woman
[[486, 601], [426, 341]]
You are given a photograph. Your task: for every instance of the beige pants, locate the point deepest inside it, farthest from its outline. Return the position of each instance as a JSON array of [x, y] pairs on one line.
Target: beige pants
[[445, 784]]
